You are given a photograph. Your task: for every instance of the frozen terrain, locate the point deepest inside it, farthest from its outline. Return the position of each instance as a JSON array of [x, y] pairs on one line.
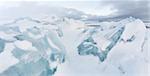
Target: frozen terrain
[[60, 46], [117, 49], [54, 41]]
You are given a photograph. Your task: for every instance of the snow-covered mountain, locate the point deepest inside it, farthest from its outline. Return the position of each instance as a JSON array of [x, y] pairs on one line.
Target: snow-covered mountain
[[65, 43]]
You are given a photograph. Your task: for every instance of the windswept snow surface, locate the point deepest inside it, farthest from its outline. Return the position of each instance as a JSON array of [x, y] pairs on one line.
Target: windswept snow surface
[[61, 46]]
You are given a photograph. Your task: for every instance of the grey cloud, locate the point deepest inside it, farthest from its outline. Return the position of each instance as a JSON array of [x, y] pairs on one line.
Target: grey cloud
[[126, 8], [135, 8]]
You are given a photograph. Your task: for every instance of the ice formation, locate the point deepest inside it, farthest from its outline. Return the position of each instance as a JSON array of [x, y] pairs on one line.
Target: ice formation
[[37, 47], [89, 46]]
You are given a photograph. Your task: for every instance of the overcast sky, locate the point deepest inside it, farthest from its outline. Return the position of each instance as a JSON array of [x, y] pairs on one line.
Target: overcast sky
[[137, 8]]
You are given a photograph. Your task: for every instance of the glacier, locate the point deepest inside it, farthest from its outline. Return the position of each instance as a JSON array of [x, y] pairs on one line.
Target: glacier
[[62, 46], [114, 37], [34, 47], [2, 45], [123, 50]]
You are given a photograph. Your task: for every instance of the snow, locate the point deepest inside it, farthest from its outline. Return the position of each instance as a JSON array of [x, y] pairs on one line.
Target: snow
[[6, 58], [138, 27], [33, 46], [125, 58], [24, 45], [49, 46]]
